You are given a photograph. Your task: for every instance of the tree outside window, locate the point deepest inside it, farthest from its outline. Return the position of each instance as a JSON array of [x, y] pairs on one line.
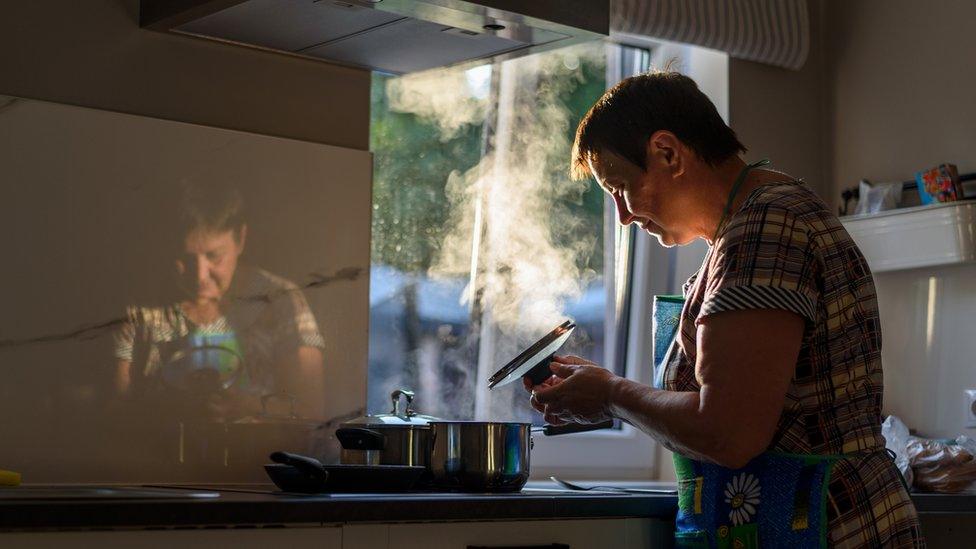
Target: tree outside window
[[481, 243]]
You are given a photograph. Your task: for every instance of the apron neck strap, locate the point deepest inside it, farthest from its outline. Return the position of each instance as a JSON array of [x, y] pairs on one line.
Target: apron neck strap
[[735, 190]]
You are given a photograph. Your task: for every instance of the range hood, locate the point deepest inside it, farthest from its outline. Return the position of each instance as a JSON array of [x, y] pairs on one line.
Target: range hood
[[392, 36]]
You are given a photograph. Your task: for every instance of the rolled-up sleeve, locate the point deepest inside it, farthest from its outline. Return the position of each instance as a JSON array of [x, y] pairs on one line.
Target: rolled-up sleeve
[[766, 259], [296, 324], [123, 338]]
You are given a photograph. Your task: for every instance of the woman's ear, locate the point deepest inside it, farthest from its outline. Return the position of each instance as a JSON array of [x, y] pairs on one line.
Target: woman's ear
[[664, 153], [241, 238]]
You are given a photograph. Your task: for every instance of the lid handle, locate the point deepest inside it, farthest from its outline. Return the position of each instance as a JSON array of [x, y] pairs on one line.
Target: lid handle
[[403, 411]]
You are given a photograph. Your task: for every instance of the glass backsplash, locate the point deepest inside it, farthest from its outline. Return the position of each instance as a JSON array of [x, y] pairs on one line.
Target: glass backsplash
[[178, 300]]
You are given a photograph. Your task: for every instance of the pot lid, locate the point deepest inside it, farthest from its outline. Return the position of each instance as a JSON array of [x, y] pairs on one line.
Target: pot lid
[[400, 415], [533, 356]]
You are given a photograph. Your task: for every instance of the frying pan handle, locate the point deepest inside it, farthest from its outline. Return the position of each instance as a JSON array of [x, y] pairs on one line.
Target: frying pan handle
[[553, 430], [310, 466], [359, 438]]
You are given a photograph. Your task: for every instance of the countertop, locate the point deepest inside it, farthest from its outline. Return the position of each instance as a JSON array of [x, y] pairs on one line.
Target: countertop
[[258, 506]]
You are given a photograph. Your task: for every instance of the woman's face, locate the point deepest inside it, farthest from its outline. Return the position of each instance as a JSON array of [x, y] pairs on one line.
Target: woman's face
[[651, 198], [206, 267]]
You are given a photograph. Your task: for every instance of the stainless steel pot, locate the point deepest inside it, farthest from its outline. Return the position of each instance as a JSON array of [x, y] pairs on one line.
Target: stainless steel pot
[[472, 456], [401, 437], [487, 456], [480, 456]]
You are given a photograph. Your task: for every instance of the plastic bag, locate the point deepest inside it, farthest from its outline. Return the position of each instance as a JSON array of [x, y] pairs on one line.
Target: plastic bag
[[943, 465], [878, 197], [896, 437]]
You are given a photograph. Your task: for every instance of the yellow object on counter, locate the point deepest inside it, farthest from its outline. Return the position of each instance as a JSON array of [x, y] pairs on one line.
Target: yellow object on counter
[[9, 478]]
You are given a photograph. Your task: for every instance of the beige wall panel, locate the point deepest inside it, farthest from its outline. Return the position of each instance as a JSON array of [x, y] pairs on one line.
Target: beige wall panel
[[86, 229]]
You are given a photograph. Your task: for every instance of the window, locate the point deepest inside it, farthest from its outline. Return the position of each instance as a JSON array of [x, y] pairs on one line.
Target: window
[[482, 243]]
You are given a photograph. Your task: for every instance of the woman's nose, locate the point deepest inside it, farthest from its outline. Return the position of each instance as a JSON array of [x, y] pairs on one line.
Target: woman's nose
[[203, 270], [623, 214]]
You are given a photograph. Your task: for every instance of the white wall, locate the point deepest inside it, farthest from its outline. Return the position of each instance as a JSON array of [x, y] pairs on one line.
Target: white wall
[[929, 352]]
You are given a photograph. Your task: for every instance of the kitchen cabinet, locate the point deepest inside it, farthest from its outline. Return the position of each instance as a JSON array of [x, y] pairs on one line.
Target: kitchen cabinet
[[319, 537], [250, 517], [577, 534]]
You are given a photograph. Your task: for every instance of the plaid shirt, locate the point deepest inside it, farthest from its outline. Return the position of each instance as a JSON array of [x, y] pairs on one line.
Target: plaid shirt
[[268, 313], [784, 249]]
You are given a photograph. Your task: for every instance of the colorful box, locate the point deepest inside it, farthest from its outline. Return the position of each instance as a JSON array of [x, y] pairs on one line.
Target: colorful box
[[939, 184]]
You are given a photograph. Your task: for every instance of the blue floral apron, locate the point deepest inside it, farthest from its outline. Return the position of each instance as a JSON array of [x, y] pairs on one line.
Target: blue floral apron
[[777, 499]]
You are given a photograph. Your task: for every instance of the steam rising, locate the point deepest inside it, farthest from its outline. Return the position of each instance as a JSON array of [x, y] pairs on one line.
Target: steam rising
[[509, 203], [509, 231], [434, 96]]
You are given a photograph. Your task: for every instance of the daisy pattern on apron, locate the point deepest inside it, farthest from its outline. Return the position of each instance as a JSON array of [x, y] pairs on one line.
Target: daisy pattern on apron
[[742, 494]]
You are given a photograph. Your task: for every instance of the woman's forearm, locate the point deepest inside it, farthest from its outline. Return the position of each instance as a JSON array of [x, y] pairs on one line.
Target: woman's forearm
[[676, 420]]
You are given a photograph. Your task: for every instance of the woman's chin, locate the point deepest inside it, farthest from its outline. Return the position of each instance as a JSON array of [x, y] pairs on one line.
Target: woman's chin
[[204, 299], [670, 240], [666, 239]]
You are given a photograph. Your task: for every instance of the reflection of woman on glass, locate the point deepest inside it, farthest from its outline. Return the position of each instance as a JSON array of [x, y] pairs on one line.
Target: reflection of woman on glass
[[237, 334]]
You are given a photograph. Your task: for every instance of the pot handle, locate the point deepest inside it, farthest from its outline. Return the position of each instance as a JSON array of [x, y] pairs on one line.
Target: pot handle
[[553, 430], [310, 466], [359, 438]]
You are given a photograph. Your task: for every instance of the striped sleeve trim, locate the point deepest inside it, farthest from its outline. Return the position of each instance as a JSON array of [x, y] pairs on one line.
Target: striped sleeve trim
[[123, 350], [738, 298], [312, 340]]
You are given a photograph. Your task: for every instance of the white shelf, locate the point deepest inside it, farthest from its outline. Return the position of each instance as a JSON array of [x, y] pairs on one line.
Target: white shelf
[[909, 238]]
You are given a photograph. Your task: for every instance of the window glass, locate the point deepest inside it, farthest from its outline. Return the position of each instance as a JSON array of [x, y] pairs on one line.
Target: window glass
[[481, 241]]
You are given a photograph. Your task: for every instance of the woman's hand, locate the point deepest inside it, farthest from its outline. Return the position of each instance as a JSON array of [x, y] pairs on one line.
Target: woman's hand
[[579, 392]]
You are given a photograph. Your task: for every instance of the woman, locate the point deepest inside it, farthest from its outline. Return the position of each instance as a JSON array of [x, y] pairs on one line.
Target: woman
[[772, 394]]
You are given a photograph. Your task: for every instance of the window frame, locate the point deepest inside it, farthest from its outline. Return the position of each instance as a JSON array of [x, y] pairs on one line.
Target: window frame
[[633, 452]]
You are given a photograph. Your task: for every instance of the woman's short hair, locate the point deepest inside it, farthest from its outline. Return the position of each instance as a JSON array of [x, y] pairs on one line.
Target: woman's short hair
[[213, 207], [629, 113]]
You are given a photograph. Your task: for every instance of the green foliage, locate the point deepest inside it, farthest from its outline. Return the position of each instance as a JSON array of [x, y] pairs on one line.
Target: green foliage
[[413, 161], [410, 169]]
